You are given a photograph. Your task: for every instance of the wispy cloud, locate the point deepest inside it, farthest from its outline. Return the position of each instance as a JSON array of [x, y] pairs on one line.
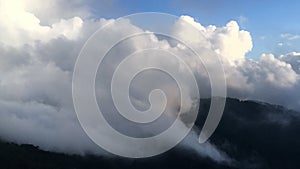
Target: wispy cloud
[[262, 37], [243, 21], [290, 36], [280, 44]]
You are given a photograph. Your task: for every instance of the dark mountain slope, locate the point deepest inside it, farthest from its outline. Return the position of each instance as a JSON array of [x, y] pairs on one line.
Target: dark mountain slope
[[255, 135], [258, 135]]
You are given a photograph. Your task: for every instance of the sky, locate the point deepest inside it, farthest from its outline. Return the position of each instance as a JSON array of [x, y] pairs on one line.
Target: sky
[[40, 42], [267, 21]]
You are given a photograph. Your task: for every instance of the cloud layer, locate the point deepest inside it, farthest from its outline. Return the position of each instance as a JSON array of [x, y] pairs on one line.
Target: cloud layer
[[39, 47]]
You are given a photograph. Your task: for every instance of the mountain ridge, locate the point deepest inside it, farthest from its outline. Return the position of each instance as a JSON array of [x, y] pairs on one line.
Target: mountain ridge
[[253, 134]]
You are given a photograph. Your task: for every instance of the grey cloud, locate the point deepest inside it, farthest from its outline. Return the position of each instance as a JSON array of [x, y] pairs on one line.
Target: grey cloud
[[36, 78]]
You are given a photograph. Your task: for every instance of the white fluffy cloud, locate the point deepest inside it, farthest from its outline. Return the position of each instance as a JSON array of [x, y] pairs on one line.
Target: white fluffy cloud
[[269, 70], [40, 41], [36, 70], [228, 41], [269, 79], [19, 26], [293, 59]]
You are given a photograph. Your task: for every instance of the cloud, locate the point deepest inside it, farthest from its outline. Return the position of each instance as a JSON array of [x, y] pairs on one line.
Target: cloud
[[270, 70], [271, 79], [262, 37], [293, 59], [243, 21], [36, 75], [290, 36], [280, 44], [38, 53], [21, 27], [51, 11], [268, 79], [228, 41]]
